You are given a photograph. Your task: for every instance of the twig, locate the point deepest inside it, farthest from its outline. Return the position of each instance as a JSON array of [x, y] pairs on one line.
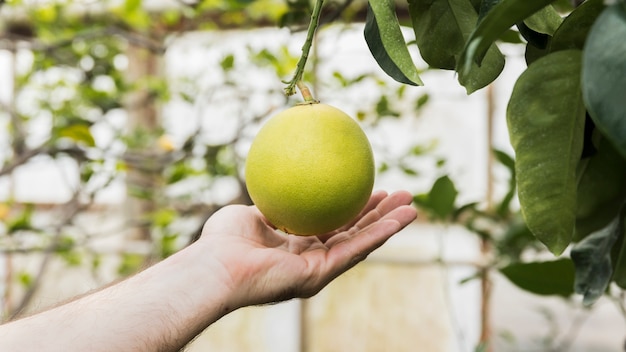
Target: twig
[[306, 48]]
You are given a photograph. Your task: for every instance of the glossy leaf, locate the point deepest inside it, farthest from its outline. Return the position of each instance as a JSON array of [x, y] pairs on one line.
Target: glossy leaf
[[545, 119], [500, 18], [601, 189], [543, 278], [386, 43], [604, 74], [572, 33], [441, 29], [592, 259]]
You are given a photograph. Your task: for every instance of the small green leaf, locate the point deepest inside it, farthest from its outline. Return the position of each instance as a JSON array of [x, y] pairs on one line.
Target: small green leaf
[[604, 74], [543, 278], [500, 18], [545, 119], [78, 133], [386, 43], [592, 259], [572, 33], [440, 199]]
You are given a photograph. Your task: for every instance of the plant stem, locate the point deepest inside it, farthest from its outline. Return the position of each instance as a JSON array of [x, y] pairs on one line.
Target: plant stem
[[306, 93], [315, 16]]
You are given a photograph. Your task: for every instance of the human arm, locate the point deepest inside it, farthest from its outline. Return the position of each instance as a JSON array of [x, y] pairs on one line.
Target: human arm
[[239, 260]]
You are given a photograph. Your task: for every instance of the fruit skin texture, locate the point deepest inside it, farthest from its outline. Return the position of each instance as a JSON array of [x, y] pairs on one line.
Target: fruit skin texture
[[310, 169]]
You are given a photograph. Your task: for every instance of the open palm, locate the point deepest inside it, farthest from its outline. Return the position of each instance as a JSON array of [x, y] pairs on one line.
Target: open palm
[[268, 266]]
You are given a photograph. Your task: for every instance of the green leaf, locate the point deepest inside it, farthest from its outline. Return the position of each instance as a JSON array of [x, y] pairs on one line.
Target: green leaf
[[545, 21], [441, 28], [78, 133], [601, 189], [572, 33], [545, 119], [543, 278], [438, 33], [440, 199], [501, 17], [604, 74], [386, 43], [509, 163], [592, 259]]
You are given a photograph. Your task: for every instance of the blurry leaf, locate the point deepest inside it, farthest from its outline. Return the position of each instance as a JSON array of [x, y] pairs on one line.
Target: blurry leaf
[[572, 34], [421, 101], [543, 278], [386, 42], [21, 221], [509, 163], [592, 258], [228, 62], [440, 200], [78, 133], [601, 189], [604, 74], [383, 108], [26, 279], [164, 217], [130, 264], [168, 244], [546, 119]]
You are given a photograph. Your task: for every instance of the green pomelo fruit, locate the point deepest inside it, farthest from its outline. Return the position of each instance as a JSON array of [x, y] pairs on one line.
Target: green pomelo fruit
[[310, 169]]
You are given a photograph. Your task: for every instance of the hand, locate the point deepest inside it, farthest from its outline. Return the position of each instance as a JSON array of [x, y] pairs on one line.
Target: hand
[[263, 265]]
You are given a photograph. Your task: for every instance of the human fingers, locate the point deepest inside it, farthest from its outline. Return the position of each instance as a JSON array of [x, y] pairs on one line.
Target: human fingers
[[375, 199], [385, 206], [347, 251]]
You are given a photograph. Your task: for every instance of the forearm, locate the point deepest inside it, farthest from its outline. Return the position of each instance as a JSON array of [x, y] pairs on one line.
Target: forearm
[[159, 309]]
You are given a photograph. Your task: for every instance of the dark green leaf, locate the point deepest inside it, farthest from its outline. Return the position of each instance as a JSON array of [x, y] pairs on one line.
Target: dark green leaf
[[502, 16], [543, 278], [572, 33], [545, 119], [441, 28], [545, 21], [385, 41], [438, 32], [604, 75], [592, 259], [601, 189]]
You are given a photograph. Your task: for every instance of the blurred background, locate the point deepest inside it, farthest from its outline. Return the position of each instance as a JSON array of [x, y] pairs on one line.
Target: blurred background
[[125, 125]]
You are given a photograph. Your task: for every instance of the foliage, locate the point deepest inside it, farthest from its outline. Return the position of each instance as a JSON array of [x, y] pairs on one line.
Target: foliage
[[565, 114]]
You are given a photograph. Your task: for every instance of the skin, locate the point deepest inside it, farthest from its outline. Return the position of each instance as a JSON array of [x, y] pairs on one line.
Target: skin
[[239, 260]]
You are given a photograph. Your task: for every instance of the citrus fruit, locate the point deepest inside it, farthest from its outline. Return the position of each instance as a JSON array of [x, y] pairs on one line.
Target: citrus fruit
[[310, 169]]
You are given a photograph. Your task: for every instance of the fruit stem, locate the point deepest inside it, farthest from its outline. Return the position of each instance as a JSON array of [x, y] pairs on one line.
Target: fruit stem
[[306, 93], [306, 48]]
